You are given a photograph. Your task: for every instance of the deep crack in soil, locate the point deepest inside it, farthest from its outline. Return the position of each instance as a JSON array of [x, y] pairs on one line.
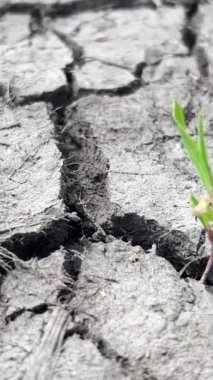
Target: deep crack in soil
[[41, 244], [63, 284], [84, 190]]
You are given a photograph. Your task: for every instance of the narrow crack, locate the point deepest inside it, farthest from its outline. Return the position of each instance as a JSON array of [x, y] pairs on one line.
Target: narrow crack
[[107, 352], [84, 5], [84, 190], [37, 23], [42, 243], [85, 170], [37, 309], [71, 270], [190, 34], [107, 63], [59, 98], [170, 244], [186, 3], [85, 332], [82, 330], [62, 96], [70, 7], [127, 89], [77, 50]]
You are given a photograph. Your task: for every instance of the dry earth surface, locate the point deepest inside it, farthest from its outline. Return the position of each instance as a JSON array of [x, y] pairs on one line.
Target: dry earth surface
[[100, 256]]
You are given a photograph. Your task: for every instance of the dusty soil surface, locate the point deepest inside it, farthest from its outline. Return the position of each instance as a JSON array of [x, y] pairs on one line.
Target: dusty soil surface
[[100, 256]]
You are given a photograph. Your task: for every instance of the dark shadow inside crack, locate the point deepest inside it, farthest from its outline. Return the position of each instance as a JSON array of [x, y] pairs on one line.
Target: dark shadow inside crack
[[84, 189], [40, 244], [83, 331], [84, 171], [72, 262], [127, 89], [37, 309], [173, 245], [71, 269], [70, 7]]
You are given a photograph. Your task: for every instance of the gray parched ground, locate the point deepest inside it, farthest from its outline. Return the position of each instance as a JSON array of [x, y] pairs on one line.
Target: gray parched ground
[[100, 257]]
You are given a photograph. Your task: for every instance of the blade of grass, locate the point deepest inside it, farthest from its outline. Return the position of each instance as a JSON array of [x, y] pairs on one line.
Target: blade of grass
[[178, 114], [196, 151], [203, 153], [193, 200]]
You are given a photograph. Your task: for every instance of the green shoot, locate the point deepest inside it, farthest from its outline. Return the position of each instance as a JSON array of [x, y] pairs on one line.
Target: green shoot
[[197, 154], [194, 203], [196, 151]]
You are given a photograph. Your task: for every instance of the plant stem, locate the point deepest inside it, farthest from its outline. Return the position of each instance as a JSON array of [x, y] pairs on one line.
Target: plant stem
[[209, 265]]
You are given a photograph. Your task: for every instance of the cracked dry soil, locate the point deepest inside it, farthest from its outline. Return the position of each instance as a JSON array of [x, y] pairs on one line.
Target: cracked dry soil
[[100, 257]]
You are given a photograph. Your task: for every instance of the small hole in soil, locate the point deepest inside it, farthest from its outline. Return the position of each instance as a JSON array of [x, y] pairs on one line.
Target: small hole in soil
[[125, 239], [196, 267], [65, 295]]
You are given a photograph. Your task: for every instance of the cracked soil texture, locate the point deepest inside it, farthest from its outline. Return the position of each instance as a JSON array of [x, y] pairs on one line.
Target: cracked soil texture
[[100, 257]]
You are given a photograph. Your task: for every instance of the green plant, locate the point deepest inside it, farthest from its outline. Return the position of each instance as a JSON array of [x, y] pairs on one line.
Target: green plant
[[197, 154]]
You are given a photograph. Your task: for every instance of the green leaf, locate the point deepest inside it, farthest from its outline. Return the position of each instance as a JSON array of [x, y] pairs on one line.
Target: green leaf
[[189, 144], [203, 154], [178, 114], [197, 152], [193, 200], [201, 141]]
